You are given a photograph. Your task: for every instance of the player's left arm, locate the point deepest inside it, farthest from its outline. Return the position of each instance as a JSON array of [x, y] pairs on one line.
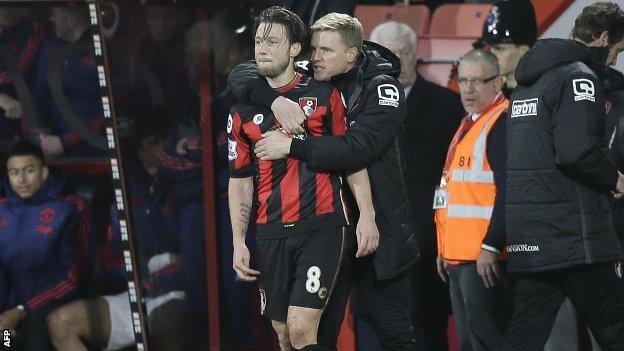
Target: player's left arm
[[240, 194]]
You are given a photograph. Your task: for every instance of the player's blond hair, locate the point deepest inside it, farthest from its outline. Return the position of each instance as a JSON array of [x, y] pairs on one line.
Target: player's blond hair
[[349, 28]]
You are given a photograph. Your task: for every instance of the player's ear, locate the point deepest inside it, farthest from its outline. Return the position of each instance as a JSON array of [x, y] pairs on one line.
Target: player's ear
[[45, 172], [295, 49], [603, 39]]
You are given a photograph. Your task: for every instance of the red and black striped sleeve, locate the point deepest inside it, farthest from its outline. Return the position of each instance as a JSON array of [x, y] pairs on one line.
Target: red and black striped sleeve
[[72, 258], [239, 147], [338, 113]]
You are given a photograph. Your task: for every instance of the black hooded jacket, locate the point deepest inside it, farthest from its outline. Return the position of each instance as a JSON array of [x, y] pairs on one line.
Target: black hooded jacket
[[376, 111], [558, 167]]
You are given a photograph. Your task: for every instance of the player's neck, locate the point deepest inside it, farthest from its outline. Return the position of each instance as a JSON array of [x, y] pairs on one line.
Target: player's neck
[[283, 79]]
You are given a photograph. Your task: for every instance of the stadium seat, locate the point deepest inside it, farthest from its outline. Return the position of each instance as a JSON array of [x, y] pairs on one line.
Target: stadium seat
[[546, 12], [435, 72], [443, 48], [464, 20], [416, 16], [437, 55]]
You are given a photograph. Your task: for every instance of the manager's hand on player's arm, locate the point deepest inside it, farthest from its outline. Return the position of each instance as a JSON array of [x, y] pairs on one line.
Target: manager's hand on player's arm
[[289, 114], [274, 145]]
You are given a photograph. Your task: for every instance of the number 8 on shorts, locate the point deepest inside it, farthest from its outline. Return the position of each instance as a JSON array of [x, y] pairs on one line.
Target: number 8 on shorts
[[313, 284]]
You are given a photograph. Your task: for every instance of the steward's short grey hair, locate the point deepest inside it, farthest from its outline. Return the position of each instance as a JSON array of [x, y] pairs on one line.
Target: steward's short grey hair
[[479, 55], [392, 31]]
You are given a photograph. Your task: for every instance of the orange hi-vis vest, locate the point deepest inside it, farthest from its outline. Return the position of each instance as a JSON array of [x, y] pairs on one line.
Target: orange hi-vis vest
[[468, 182]]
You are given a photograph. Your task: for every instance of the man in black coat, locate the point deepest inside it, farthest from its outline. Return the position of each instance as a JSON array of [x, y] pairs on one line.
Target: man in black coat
[[433, 116], [560, 238]]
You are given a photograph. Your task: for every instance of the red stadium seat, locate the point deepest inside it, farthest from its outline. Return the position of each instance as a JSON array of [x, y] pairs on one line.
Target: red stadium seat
[[546, 12], [438, 73], [436, 56], [416, 16], [443, 48], [464, 20]]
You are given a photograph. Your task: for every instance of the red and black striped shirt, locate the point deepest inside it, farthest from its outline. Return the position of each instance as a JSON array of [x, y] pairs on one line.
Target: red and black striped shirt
[[290, 197]]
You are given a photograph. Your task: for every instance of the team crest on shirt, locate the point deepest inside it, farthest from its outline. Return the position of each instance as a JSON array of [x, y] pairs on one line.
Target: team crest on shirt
[[46, 215], [3, 222], [308, 105], [45, 218], [619, 271]]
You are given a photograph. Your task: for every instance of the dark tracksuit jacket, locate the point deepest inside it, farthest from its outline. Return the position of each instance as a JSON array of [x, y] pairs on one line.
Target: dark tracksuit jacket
[[75, 80], [20, 42], [559, 170], [46, 245]]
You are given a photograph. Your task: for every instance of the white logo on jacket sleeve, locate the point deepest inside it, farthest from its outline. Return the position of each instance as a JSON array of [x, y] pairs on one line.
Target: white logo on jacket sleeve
[[522, 108], [232, 154], [523, 248], [388, 95], [257, 119], [583, 90], [229, 123]]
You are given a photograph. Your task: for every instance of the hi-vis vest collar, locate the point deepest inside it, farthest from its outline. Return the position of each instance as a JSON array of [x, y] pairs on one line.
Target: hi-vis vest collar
[[478, 172]]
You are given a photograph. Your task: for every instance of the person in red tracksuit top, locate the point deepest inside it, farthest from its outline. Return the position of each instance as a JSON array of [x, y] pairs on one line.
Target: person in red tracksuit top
[[45, 239]]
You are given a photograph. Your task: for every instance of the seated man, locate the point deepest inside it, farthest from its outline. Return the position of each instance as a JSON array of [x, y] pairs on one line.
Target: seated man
[[67, 94], [20, 40], [106, 321], [45, 240]]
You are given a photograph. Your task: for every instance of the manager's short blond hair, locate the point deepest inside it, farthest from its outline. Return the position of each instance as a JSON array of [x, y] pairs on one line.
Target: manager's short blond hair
[[350, 28]]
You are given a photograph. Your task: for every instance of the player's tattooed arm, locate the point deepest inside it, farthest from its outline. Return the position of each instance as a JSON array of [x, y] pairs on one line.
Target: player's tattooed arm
[[240, 196], [366, 229], [245, 213]]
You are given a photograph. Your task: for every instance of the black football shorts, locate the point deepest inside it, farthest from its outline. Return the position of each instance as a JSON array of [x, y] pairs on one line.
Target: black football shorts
[[299, 270]]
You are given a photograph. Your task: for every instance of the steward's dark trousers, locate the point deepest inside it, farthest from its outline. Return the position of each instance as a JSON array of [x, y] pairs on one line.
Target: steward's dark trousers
[[482, 314], [597, 292]]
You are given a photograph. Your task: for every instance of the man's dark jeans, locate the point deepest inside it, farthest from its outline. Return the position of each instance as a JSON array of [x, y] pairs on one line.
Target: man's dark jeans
[[481, 314]]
